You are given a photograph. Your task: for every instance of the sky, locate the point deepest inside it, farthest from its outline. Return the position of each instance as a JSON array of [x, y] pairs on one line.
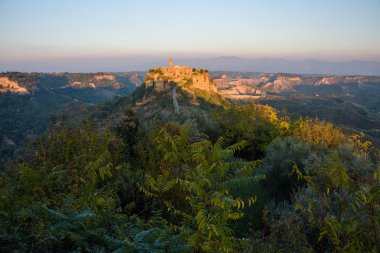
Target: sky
[[47, 35]]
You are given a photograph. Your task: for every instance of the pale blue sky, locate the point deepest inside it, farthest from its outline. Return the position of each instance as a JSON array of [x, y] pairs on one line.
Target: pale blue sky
[[64, 31]]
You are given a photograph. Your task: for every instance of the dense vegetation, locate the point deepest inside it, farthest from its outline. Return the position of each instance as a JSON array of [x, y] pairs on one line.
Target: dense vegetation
[[359, 112], [215, 178]]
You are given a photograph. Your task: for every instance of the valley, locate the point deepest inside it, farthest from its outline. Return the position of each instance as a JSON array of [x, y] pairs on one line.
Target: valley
[[189, 144], [352, 102], [30, 101]]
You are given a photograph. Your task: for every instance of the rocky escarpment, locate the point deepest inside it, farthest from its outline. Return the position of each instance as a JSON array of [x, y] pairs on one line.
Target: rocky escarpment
[[73, 83], [247, 86], [94, 81], [7, 85], [105, 77]]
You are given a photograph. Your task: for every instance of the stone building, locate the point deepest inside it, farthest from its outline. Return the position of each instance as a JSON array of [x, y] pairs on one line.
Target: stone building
[[180, 74]]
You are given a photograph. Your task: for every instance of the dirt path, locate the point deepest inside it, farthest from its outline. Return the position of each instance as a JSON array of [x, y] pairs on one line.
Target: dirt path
[[175, 102]]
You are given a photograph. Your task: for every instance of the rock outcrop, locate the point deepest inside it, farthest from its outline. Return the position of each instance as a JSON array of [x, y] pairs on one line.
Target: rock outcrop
[[7, 85], [251, 86], [96, 81], [105, 77]]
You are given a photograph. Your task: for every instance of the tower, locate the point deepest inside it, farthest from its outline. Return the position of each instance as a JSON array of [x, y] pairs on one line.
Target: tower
[[171, 62]]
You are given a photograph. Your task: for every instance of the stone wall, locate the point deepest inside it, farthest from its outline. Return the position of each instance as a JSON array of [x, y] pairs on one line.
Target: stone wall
[[202, 81]]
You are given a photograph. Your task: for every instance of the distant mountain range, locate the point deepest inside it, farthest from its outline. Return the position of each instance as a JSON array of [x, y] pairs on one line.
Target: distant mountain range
[[225, 63], [267, 65]]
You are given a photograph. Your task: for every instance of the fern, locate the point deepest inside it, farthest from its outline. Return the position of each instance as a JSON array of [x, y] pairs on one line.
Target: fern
[[331, 229], [101, 166], [159, 240], [207, 173]]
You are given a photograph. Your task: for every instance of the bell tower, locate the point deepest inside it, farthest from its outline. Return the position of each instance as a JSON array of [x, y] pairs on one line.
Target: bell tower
[[171, 62]]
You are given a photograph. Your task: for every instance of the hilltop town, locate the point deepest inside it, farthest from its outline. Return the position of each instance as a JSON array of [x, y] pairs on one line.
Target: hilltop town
[[161, 77]]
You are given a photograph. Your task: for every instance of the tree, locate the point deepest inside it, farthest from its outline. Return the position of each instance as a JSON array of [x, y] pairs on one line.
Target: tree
[[281, 156], [318, 132], [256, 124]]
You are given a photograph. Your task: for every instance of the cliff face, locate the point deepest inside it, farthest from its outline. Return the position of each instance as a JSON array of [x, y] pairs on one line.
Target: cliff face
[[7, 85], [105, 77]]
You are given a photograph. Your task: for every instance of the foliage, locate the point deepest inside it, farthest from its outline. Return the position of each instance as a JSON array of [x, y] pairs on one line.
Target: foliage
[[65, 194], [318, 132], [116, 181], [282, 231], [281, 156], [347, 215], [194, 184], [256, 124]]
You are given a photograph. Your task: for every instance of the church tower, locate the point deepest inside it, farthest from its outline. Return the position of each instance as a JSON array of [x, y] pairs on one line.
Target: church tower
[[171, 62]]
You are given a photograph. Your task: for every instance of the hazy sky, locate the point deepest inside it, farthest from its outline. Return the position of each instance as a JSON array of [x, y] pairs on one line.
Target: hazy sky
[[62, 32]]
